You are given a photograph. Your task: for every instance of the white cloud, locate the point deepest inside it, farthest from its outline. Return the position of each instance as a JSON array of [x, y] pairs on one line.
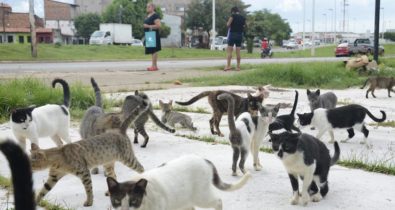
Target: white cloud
[[289, 5]]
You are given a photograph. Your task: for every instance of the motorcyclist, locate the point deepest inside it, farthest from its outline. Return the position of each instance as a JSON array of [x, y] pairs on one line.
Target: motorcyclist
[[265, 47]]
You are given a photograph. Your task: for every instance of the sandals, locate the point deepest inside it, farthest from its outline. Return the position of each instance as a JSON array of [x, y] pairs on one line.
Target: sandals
[[152, 68], [227, 68]]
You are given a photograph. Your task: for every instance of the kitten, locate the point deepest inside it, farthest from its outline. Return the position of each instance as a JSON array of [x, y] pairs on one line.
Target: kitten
[[140, 122], [22, 180], [172, 117], [245, 133], [379, 83], [78, 157], [286, 121], [308, 158], [48, 120], [348, 117], [184, 183], [250, 104]]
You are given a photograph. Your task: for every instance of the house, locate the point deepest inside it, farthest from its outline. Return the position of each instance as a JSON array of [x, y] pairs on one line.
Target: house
[[91, 6], [15, 27], [60, 17]]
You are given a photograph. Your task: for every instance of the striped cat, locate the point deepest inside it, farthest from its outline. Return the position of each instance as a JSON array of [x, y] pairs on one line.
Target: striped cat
[[172, 117], [78, 157]]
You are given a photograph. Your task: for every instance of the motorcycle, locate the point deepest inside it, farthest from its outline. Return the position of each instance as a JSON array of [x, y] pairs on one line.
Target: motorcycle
[[266, 53]]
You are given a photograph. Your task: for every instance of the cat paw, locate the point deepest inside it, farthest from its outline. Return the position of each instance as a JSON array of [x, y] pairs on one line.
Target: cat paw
[[107, 193], [294, 200], [305, 199], [258, 167], [234, 173], [221, 135], [316, 197], [95, 171], [143, 146], [88, 203]]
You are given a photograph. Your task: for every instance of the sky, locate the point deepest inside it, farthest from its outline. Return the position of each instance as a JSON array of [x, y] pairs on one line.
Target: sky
[[359, 13]]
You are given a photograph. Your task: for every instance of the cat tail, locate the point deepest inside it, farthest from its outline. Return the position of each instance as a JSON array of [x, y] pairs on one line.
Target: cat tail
[[135, 114], [98, 101], [336, 155], [231, 114], [159, 122], [366, 82], [377, 119], [225, 186], [194, 99], [66, 91], [295, 103], [21, 175]]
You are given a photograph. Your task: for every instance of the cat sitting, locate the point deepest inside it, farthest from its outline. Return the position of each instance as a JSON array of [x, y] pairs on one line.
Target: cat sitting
[[348, 117], [49, 120], [308, 158], [285, 121], [184, 183], [78, 157], [172, 117], [245, 133], [250, 104]]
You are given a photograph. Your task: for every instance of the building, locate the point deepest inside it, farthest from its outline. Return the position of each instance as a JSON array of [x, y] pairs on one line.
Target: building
[[60, 17], [173, 7], [174, 38], [91, 6], [15, 27]]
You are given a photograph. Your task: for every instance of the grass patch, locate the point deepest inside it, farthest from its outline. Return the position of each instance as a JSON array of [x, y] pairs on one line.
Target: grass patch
[[50, 206], [17, 93], [330, 75], [374, 167], [344, 102], [390, 123], [185, 109], [5, 183], [208, 139], [266, 149]]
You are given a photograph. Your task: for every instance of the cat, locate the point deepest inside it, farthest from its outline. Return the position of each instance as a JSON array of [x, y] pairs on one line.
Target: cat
[[49, 120], [316, 100], [78, 157], [263, 90], [246, 133], [348, 117], [379, 83], [308, 158], [140, 122], [286, 121], [22, 180], [166, 188], [172, 117], [250, 104]]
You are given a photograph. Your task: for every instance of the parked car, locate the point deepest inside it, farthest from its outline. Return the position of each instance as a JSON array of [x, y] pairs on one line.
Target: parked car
[[221, 43], [359, 46], [136, 42], [291, 45]]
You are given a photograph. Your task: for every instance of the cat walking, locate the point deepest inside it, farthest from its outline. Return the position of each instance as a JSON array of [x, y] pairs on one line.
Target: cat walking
[[50, 120], [379, 83], [184, 183]]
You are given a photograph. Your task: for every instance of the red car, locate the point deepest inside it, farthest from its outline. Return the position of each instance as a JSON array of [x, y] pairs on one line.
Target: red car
[[342, 50]]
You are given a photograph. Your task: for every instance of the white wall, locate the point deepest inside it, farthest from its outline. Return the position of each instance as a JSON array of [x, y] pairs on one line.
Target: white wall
[[174, 38]]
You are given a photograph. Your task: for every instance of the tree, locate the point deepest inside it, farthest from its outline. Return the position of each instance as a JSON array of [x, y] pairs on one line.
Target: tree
[[199, 14], [86, 24], [389, 36], [134, 13]]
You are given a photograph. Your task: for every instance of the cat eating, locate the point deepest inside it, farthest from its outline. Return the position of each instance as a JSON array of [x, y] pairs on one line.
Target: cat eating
[[348, 117], [184, 183], [49, 120], [305, 157]]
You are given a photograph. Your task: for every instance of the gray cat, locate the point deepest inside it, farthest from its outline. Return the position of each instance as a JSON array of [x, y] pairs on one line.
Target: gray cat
[[327, 100], [172, 117]]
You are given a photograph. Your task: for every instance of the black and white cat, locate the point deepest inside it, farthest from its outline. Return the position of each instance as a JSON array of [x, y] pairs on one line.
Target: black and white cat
[[348, 117], [246, 133], [49, 120], [286, 121], [308, 158]]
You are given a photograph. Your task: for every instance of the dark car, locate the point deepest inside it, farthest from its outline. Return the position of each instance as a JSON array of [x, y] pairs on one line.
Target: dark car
[[359, 46]]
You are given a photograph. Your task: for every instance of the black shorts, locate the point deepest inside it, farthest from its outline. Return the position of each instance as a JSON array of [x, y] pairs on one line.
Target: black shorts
[[235, 38]]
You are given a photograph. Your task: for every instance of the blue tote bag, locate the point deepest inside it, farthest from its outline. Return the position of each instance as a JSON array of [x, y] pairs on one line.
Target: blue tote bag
[[150, 39]]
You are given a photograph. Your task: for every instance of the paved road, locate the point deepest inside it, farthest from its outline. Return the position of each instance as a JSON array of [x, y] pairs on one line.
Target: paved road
[[26, 67]]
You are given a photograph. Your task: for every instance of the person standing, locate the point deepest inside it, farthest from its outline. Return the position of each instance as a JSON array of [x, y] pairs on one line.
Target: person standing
[[236, 24], [152, 24]]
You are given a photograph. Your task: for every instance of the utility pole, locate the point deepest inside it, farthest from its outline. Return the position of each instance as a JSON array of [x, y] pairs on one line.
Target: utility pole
[[325, 28], [376, 31], [313, 31], [331, 19], [33, 39], [344, 15], [213, 26], [335, 25], [304, 23], [382, 28]]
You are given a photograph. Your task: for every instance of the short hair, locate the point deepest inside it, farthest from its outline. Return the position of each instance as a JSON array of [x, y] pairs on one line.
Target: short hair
[[234, 10], [151, 4]]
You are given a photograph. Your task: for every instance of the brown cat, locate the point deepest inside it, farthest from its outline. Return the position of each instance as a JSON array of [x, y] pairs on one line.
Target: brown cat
[[379, 83], [250, 104], [78, 157]]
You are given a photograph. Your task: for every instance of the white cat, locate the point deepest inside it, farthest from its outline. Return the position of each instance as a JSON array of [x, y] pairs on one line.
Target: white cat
[[48, 120], [184, 183]]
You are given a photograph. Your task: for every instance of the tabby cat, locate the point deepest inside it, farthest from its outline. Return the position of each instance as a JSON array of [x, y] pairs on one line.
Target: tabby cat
[[22, 180], [78, 157], [380, 83], [172, 117], [250, 104]]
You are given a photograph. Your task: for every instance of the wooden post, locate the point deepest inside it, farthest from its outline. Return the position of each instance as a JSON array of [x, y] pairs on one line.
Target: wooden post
[[33, 39]]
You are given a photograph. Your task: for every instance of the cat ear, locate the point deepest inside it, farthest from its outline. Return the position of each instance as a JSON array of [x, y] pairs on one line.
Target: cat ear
[[112, 184], [308, 92], [171, 102], [136, 92], [317, 92], [34, 146], [140, 186]]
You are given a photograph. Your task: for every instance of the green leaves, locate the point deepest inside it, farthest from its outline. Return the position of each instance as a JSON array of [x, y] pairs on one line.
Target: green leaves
[[86, 24]]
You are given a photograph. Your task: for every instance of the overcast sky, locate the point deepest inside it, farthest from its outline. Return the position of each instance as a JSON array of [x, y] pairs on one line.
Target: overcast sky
[[359, 13]]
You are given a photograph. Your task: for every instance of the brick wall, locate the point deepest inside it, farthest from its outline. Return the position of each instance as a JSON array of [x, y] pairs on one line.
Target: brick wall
[[54, 10]]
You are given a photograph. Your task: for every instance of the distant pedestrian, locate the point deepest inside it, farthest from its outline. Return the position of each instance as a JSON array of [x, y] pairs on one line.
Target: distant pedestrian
[[236, 24], [152, 39]]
